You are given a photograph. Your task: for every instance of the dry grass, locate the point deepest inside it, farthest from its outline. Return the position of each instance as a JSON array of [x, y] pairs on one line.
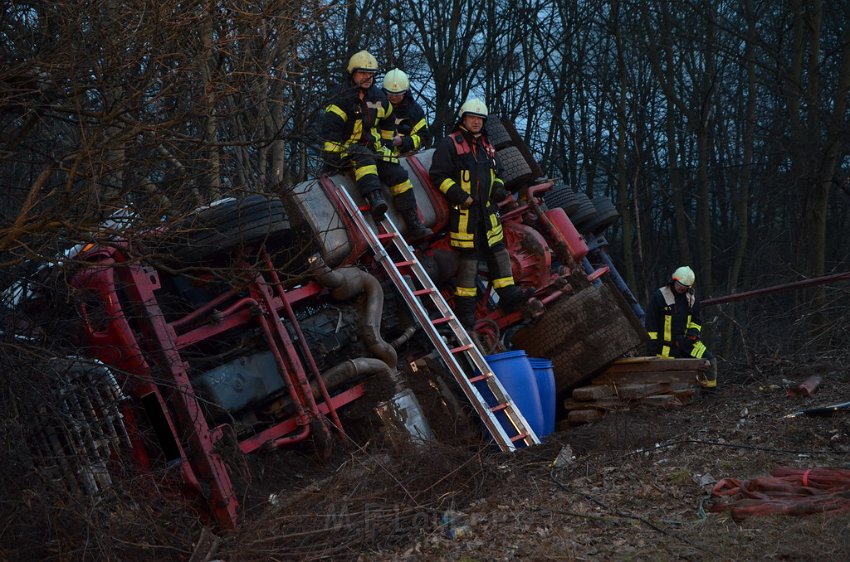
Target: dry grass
[[632, 493]]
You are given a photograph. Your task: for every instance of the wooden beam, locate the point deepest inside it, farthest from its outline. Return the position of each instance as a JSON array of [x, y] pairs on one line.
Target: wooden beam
[[674, 398], [647, 377], [576, 417], [656, 364], [632, 391], [593, 392]]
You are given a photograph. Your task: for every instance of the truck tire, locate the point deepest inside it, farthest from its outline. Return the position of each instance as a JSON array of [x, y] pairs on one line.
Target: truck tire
[[572, 202], [563, 197], [519, 143], [226, 225], [497, 134], [580, 334], [585, 213], [557, 196], [513, 168], [606, 214]]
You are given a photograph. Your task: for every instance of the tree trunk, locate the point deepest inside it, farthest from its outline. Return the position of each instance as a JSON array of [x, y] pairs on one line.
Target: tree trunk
[[212, 189]]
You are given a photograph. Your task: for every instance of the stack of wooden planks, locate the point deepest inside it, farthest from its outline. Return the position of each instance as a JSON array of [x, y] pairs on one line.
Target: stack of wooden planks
[[635, 381]]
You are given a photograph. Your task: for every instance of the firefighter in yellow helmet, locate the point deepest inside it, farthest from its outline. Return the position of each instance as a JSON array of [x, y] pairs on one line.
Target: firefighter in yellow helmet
[[412, 131], [357, 130], [673, 322], [464, 169]]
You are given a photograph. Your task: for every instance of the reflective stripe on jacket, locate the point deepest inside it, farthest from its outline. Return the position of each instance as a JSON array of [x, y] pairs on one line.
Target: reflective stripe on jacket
[[354, 120], [465, 166], [411, 124], [670, 318]]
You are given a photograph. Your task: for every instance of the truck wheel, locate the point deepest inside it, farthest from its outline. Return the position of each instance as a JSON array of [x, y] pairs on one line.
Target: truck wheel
[[565, 198], [497, 134], [513, 168], [572, 202], [580, 334], [606, 214], [585, 213], [557, 196], [226, 225]]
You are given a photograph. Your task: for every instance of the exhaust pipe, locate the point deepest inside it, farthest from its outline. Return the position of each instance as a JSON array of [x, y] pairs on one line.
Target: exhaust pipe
[[403, 409]]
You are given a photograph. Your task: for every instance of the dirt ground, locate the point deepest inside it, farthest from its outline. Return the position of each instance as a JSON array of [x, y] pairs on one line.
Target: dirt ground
[[635, 485]]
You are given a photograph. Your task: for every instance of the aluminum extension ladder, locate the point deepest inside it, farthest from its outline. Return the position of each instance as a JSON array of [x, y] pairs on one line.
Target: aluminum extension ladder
[[497, 410]]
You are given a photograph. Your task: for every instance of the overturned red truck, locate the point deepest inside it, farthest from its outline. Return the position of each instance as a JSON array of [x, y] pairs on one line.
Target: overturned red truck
[[258, 321]]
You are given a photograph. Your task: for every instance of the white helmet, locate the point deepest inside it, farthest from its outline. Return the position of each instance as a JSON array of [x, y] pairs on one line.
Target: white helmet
[[684, 275], [396, 82], [473, 106], [364, 61]]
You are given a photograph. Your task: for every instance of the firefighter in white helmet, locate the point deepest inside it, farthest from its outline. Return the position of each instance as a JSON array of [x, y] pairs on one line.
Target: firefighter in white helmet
[[412, 131], [464, 169], [673, 322], [357, 130]]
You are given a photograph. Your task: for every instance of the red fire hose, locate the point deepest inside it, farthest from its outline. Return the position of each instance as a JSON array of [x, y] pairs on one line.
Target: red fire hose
[[787, 491]]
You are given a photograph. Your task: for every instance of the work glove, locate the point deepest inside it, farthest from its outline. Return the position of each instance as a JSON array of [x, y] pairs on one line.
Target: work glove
[[468, 203]]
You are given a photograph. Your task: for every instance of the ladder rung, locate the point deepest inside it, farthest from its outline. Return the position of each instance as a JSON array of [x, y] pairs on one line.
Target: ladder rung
[[383, 238]]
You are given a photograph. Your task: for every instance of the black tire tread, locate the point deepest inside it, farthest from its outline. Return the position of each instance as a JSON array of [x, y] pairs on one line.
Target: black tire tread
[[580, 334], [606, 214], [497, 134], [557, 196], [229, 224], [584, 215], [513, 168]]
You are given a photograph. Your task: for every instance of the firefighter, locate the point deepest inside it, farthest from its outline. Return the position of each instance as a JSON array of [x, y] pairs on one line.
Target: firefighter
[[464, 169], [358, 130], [412, 132], [673, 323]]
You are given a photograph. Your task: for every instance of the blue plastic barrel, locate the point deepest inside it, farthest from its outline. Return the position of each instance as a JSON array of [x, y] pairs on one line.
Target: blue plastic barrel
[[546, 387], [514, 371]]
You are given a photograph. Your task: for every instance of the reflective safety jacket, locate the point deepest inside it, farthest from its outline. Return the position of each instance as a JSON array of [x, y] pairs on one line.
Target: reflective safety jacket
[[464, 166], [671, 319], [354, 119], [411, 124]]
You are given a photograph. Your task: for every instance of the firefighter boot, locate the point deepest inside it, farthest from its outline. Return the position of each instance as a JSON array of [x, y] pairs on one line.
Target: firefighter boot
[[465, 311], [512, 297], [377, 205], [708, 379], [416, 231]]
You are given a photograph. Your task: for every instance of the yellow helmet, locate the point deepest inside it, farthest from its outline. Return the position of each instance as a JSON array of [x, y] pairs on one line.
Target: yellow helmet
[[363, 61], [684, 275], [396, 82], [473, 106]]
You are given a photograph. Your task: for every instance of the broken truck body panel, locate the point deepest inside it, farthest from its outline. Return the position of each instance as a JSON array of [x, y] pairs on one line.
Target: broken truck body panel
[[220, 331]]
